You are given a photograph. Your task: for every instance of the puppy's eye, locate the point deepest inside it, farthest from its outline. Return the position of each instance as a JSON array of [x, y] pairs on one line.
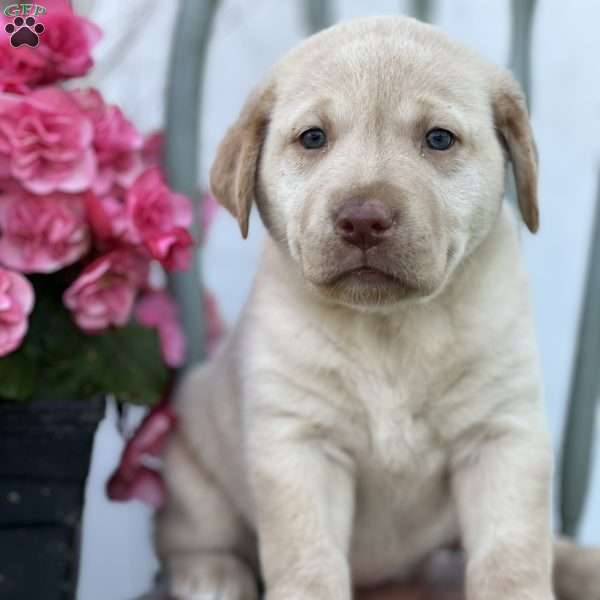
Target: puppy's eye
[[440, 139], [313, 138]]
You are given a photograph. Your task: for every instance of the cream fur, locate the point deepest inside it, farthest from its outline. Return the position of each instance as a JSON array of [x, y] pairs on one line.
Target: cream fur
[[344, 433]]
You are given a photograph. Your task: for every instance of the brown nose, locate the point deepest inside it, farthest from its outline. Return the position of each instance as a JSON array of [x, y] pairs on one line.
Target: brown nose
[[364, 224]]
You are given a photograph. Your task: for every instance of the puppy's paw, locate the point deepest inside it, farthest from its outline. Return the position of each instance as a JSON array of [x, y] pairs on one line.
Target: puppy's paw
[[577, 572], [581, 581], [211, 577]]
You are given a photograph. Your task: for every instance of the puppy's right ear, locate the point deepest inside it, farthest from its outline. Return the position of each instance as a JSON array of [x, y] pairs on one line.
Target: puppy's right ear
[[233, 174]]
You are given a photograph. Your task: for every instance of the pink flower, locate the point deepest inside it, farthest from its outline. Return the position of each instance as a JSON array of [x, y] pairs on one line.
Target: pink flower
[[158, 218], [41, 234], [152, 149], [153, 208], [133, 478], [67, 43], [46, 142], [20, 68], [172, 249], [107, 218], [112, 225], [104, 293], [140, 483], [116, 141], [16, 302], [158, 310], [64, 49]]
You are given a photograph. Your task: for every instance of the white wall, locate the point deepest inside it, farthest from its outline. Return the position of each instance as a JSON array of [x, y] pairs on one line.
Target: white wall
[[250, 35]]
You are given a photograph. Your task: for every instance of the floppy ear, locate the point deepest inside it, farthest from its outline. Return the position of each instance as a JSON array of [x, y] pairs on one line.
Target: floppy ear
[[233, 174], [512, 123]]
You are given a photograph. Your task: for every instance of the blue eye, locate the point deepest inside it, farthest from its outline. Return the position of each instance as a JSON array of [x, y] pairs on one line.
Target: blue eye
[[313, 138], [440, 139]]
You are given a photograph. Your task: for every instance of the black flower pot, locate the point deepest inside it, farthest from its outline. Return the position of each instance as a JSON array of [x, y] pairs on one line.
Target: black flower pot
[[45, 450]]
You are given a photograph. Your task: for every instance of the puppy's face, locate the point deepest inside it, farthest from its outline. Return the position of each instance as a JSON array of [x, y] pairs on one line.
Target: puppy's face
[[375, 153]]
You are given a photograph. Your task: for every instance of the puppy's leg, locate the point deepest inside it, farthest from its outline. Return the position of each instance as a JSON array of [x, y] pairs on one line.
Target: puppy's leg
[[576, 571], [502, 488], [200, 538], [304, 496]]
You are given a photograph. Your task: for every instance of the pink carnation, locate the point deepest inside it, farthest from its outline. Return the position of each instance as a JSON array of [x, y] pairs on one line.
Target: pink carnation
[[16, 302], [153, 208], [158, 218], [172, 249], [64, 50], [46, 142], [67, 43], [108, 219], [41, 234], [158, 310], [116, 141], [20, 68], [104, 293], [133, 478], [152, 149]]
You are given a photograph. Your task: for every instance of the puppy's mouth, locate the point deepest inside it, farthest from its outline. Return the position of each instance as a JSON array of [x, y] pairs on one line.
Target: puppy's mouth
[[366, 275], [366, 278]]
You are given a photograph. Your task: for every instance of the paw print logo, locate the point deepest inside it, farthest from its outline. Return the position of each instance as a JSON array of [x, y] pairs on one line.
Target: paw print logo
[[24, 32]]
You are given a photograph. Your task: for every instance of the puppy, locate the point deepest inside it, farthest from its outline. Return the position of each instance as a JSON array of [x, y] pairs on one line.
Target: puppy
[[380, 396]]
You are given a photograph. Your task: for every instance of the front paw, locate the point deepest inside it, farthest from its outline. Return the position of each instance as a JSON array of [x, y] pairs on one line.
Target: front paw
[[211, 577], [307, 592], [577, 572]]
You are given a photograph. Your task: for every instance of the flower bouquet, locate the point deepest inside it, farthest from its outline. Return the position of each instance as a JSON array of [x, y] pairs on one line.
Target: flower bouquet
[[88, 230], [88, 226]]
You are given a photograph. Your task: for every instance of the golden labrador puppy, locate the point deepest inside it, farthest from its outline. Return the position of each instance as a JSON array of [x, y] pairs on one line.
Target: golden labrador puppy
[[379, 397]]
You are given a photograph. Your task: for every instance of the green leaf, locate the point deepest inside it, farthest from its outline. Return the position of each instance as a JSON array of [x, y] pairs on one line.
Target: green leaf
[[125, 362], [59, 361], [18, 375]]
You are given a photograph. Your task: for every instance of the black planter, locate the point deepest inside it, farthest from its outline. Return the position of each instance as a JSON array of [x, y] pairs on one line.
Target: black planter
[[45, 450]]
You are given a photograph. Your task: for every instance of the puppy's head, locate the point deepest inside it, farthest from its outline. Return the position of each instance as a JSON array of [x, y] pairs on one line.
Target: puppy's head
[[376, 153]]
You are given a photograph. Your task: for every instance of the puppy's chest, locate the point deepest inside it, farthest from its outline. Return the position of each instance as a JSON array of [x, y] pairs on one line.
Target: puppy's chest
[[391, 408]]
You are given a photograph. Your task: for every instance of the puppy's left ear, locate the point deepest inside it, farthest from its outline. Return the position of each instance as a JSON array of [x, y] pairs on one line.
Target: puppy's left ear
[[512, 123], [233, 174]]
